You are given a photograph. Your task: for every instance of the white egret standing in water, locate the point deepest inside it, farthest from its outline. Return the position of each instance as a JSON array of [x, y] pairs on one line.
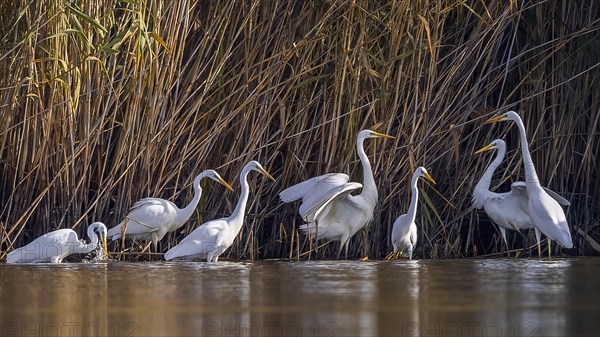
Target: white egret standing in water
[[404, 232], [212, 238], [152, 218], [330, 211], [545, 212], [508, 210], [53, 247]]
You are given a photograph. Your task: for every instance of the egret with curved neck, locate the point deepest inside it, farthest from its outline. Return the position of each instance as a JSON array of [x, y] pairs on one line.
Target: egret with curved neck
[[328, 208], [404, 231], [212, 238], [53, 247], [545, 212], [508, 210], [152, 218]]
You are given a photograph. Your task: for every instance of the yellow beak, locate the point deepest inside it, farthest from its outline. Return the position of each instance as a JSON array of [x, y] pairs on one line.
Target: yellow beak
[[485, 148], [263, 171], [224, 183], [430, 178], [495, 119], [382, 135], [104, 249]]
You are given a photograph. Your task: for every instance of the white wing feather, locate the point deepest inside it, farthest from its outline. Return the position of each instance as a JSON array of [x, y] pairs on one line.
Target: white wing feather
[[201, 241], [522, 186], [320, 204], [313, 191]]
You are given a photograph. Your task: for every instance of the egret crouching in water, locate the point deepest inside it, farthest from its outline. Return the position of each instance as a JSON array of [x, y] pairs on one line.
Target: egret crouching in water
[[328, 208], [404, 232], [508, 210], [152, 218], [53, 247], [212, 238], [545, 212]]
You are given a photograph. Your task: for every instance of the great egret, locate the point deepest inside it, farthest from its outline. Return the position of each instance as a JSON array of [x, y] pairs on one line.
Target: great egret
[[545, 212], [152, 218], [55, 246], [404, 232], [212, 238], [328, 208], [508, 210]]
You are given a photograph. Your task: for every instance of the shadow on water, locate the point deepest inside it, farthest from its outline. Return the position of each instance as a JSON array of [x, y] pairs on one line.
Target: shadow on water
[[502, 297]]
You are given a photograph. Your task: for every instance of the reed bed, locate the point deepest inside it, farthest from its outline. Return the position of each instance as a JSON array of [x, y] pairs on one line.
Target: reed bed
[[104, 102]]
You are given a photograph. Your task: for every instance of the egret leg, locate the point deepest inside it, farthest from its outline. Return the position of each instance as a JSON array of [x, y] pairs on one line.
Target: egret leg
[[538, 236], [343, 244], [346, 253], [549, 251], [503, 232], [390, 256]]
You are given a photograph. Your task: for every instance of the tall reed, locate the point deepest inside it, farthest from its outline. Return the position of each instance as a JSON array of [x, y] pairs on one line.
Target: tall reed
[[105, 102]]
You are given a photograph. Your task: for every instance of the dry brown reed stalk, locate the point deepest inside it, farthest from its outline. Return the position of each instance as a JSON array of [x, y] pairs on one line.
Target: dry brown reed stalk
[[105, 102]]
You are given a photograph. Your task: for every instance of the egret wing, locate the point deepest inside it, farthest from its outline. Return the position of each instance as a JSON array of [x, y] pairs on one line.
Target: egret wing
[[549, 217], [148, 202], [315, 209], [313, 191], [557, 197], [413, 234], [522, 186], [509, 209], [202, 240], [316, 185]]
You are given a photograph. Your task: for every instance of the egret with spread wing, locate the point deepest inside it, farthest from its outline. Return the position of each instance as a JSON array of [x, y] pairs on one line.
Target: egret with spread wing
[[212, 238], [53, 247], [404, 232], [328, 208], [545, 212], [508, 210], [152, 218]]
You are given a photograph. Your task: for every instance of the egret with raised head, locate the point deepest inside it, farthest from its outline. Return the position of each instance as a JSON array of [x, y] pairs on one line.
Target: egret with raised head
[[404, 232], [328, 208], [152, 218], [509, 210], [545, 212], [212, 238]]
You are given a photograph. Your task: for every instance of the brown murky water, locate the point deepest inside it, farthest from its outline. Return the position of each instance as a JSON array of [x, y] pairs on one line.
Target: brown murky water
[[502, 297]]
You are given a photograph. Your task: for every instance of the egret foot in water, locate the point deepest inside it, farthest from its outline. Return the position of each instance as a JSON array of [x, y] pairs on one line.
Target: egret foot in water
[[394, 255]]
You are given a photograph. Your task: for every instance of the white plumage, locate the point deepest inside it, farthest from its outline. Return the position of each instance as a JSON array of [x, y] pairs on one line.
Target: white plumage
[[509, 210], [545, 212], [328, 208], [151, 218], [53, 247], [404, 232], [212, 238]]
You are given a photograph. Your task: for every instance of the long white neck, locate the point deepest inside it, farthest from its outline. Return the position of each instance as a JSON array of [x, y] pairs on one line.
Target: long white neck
[[236, 219], [414, 197], [86, 248], [185, 213], [482, 188], [369, 190], [530, 174]]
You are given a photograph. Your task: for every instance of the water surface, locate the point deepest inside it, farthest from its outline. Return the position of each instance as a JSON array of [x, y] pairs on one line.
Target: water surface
[[500, 297]]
